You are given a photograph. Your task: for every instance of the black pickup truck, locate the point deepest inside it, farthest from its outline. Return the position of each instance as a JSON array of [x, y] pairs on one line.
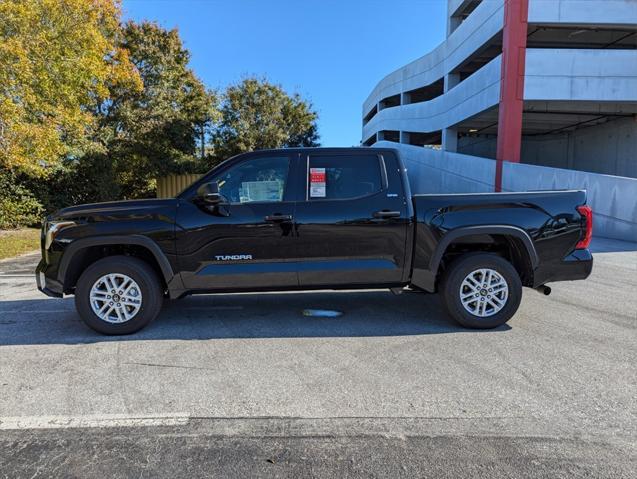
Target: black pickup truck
[[300, 219]]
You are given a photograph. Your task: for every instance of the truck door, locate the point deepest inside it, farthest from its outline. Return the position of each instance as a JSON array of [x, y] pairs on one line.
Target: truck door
[[247, 242], [351, 219]]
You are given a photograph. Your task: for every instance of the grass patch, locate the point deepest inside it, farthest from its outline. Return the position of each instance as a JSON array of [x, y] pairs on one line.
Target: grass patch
[[15, 242]]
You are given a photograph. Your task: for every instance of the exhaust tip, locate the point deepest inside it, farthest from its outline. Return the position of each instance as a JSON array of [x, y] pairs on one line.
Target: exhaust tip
[[545, 290]]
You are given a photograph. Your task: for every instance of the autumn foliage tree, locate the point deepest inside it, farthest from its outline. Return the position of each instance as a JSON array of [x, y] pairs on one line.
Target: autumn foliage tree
[[94, 109], [57, 57]]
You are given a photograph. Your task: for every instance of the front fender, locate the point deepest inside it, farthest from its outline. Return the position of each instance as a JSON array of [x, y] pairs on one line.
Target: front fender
[[76, 246]]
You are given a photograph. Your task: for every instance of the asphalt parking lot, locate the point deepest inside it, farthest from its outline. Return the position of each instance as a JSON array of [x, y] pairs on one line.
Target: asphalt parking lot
[[241, 385]]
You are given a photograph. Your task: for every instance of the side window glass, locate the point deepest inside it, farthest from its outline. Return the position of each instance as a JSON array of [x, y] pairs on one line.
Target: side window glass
[[259, 180], [343, 177]]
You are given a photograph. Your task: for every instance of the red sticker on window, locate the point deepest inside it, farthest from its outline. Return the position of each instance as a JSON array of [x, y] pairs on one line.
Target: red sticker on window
[[317, 182], [317, 175]]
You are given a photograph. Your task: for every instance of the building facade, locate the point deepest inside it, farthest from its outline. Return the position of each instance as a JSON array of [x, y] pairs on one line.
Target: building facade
[[551, 83]]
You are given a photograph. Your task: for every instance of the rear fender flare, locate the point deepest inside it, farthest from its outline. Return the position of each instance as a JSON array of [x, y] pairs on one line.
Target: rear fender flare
[[503, 230]]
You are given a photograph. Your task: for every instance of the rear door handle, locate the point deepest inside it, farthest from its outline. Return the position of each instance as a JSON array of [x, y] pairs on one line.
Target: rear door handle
[[386, 214], [276, 218]]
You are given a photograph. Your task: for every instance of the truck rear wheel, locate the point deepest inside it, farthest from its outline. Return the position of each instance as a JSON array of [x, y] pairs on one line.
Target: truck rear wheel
[[118, 295], [481, 290]]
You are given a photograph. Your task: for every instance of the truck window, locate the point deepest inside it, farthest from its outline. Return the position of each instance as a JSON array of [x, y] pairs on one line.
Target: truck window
[[343, 177], [258, 180]]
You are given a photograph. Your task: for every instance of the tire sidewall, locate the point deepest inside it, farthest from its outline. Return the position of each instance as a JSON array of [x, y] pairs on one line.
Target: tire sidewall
[[141, 273], [456, 275]]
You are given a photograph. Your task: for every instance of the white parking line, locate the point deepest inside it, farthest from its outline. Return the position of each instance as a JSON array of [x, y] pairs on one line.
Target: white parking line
[[90, 421]]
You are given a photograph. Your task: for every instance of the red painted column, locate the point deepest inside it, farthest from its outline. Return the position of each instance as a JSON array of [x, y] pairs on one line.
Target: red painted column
[[516, 13]]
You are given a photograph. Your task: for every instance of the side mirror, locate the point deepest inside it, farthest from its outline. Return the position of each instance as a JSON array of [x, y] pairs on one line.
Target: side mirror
[[208, 193]]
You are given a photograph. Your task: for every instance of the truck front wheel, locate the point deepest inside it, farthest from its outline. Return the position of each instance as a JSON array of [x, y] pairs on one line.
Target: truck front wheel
[[481, 290], [118, 295]]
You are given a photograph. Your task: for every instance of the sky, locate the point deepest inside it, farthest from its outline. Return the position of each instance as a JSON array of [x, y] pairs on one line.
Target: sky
[[331, 52]]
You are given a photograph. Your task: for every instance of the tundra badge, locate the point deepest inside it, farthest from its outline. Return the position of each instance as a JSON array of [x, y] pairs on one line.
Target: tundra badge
[[233, 257]]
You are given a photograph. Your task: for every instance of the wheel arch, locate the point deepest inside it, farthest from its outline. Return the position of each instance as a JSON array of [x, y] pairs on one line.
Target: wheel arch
[[525, 257], [80, 253]]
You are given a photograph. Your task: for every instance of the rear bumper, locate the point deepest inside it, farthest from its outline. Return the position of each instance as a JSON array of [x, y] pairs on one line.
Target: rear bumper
[[577, 265], [50, 287]]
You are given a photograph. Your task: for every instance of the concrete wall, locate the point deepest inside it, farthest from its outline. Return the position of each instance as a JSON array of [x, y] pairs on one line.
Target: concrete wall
[[477, 93], [581, 75], [594, 12], [439, 171], [575, 75], [564, 75], [609, 148], [482, 145], [613, 199]]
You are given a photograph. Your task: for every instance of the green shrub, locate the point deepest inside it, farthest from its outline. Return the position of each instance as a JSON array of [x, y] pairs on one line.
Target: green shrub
[[71, 183], [18, 206]]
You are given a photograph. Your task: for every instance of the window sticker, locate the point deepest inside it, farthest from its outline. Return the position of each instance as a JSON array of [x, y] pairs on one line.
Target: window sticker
[[261, 191], [317, 182]]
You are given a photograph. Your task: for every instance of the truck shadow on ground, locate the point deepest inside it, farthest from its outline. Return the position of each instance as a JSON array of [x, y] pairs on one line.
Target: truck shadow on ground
[[241, 316]]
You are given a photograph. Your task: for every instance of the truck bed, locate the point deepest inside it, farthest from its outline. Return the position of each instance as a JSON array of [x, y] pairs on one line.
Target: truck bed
[[544, 225]]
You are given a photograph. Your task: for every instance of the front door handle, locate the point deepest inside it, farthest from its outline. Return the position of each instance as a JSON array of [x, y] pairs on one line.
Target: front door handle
[[277, 218], [384, 214]]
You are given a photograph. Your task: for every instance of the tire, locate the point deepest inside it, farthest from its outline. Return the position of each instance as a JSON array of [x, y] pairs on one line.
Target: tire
[[485, 315], [142, 308]]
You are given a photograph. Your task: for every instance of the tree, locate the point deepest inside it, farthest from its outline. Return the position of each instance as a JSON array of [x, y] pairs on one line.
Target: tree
[[256, 114], [57, 57], [155, 131]]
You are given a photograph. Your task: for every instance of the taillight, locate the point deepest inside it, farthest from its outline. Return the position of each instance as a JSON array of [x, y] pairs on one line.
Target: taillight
[[587, 214]]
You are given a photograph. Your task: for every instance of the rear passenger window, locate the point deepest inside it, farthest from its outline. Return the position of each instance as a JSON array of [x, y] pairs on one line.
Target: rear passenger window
[[343, 177]]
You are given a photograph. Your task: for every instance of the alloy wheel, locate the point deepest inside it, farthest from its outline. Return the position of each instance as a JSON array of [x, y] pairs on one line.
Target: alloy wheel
[[115, 298], [484, 292]]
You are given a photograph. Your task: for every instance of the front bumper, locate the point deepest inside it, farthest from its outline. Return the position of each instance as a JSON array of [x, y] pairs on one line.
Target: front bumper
[[49, 286]]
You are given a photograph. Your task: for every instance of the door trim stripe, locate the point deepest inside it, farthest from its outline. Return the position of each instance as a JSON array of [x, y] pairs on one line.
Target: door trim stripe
[[297, 266]]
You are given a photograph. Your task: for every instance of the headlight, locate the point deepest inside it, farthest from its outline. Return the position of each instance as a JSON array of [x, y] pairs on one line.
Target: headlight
[[52, 229]]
